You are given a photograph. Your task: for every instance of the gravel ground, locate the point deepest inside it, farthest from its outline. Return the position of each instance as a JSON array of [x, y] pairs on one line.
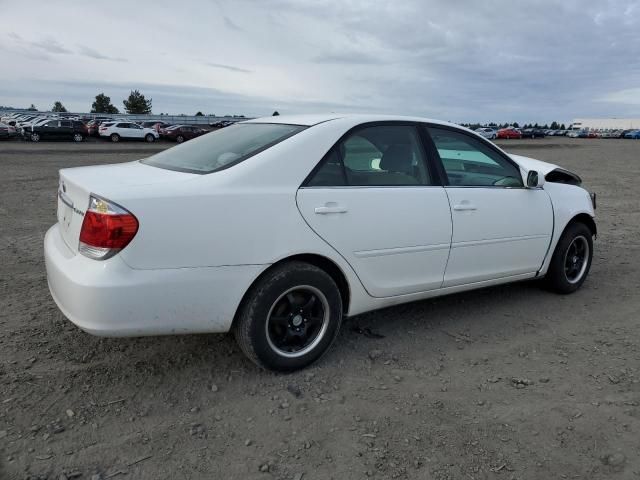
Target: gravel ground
[[509, 382]]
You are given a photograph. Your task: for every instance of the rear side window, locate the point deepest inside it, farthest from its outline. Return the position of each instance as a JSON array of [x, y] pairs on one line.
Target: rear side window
[[223, 148], [385, 155]]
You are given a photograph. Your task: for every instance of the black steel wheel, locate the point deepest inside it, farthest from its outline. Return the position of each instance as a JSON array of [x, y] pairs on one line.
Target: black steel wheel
[[576, 259], [290, 317], [571, 259]]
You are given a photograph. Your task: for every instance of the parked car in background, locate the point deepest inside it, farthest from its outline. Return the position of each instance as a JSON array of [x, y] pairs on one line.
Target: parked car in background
[[181, 133], [7, 131], [167, 245], [56, 130], [533, 133], [25, 120], [222, 123], [117, 131], [509, 133], [93, 126], [487, 132], [38, 121], [163, 131], [634, 134], [155, 124]]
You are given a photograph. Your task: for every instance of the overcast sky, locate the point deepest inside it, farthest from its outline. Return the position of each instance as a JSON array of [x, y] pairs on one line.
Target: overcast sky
[[460, 60]]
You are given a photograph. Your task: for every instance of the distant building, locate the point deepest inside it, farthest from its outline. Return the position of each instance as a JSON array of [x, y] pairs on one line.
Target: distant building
[[605, 123]]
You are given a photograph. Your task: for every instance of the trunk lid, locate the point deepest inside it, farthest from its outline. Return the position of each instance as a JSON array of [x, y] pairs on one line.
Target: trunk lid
[[77, 184]]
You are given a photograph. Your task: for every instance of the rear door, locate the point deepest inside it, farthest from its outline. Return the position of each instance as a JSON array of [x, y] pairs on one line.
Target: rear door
[[500, 228], [65, 130], [376, 199]]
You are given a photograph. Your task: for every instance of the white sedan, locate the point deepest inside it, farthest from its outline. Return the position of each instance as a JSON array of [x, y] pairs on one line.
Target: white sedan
[[487, 132], [116, 131], [277, 228]]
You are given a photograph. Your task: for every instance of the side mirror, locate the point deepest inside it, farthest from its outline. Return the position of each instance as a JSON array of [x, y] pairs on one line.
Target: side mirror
[[532, 179]]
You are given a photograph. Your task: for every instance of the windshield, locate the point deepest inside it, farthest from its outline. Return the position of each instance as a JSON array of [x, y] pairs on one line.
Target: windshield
[[222, 148]]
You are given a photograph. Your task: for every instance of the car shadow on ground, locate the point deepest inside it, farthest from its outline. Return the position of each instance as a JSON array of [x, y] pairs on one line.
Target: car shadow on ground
[[393, 328]]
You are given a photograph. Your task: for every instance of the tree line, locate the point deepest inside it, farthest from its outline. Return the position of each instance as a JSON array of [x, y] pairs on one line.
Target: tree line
[[136, 103]]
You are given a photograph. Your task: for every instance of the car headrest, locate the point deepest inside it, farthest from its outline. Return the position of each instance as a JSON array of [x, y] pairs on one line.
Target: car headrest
[[397, 158]]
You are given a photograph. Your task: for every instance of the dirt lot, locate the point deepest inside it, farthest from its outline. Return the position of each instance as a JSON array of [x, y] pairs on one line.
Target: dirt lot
[[419, 391]]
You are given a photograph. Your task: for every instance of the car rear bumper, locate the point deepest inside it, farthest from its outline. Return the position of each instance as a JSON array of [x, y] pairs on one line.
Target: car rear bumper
[[108, 298]]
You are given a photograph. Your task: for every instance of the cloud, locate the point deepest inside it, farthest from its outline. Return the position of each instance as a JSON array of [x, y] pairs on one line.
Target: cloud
[[489, 61], [52, 46], [231, 24], [90, 52], [629, 96], [231, 68], [347, 58]]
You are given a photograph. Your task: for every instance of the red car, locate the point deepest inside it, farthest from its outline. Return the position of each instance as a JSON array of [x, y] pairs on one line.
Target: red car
[[509, 133], [180, 133]]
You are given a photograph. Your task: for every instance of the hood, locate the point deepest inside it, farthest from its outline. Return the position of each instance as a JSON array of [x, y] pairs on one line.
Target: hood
[[532, 164]]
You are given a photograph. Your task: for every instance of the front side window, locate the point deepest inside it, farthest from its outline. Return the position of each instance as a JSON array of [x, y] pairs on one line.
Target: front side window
[[384, 155], [470, 163], [223, 148]]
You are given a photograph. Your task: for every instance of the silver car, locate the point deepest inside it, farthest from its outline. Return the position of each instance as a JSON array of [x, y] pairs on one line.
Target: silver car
[[487, 132]]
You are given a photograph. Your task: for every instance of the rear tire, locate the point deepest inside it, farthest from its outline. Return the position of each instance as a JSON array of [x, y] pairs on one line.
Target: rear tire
[[289, 318], [571, 259], [35, 137], [115, 138]]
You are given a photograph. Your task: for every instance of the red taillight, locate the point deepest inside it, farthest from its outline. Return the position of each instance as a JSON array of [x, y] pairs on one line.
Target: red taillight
[[106, 229]]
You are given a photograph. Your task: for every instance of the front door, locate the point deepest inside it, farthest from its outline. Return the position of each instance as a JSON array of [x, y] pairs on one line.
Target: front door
[[500, 228], [50, 130], [376, 202]]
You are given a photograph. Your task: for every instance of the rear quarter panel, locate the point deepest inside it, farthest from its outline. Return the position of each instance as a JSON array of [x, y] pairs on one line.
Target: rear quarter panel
[[244, 215]]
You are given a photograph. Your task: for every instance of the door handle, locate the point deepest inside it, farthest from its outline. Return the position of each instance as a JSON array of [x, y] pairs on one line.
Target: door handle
[[330, 207], [463, 207]]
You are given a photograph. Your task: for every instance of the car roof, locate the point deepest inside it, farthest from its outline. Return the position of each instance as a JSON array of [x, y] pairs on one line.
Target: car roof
[[355, 118]]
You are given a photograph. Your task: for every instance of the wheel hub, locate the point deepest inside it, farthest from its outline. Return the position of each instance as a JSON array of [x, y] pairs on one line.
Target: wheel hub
[[297, 320]]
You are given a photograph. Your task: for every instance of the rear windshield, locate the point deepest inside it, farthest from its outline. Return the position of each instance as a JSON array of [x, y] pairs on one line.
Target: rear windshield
[[222, 148]]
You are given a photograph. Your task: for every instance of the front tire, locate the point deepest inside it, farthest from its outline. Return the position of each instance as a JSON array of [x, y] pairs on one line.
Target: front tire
[[150, 138], [179, 139], [35, 137], [78, 137], [289, 318], [571, 259]]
